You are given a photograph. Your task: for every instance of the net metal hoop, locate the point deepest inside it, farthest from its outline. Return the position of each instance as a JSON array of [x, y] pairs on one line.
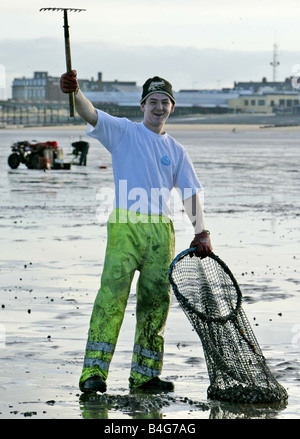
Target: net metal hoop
[[211, 299], [202, 316]]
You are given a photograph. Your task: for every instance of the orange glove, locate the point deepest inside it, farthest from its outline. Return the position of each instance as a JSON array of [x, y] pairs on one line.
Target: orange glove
[[69, 83], [202, 244]]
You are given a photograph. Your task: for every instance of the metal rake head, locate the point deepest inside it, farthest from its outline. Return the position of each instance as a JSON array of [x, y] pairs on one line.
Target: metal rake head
[[62, 9]]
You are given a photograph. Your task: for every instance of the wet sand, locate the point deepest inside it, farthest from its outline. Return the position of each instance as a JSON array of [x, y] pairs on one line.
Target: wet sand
[[52, 253]]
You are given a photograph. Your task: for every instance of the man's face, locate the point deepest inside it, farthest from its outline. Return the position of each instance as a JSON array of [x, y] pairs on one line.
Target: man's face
[[157, 109]]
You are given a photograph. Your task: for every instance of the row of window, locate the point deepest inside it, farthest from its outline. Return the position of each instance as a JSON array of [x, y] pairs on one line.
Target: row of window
[[29, 82], [262, 102], [35, 93]]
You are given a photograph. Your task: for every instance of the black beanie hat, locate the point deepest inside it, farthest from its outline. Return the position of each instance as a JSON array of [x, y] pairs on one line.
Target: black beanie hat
[[157, 85]]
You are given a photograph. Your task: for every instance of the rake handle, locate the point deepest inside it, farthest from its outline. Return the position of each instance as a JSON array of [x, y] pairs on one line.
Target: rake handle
[[68, 61]]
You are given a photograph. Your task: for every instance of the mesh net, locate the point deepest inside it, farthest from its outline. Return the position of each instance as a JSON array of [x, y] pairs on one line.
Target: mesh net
[[211, 299]]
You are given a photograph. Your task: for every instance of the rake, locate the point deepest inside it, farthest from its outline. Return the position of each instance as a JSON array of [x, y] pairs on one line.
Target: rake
[[67, 48]]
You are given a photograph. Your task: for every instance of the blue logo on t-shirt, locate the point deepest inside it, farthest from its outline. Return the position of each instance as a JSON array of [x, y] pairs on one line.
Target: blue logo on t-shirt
[[165, 160]]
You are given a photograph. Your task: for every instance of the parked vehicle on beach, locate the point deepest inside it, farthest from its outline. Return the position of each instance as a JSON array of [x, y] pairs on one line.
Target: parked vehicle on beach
[[40, 155], [46, 155]]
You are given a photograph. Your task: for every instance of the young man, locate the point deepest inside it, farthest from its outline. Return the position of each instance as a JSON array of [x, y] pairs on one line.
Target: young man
[[147, 164]]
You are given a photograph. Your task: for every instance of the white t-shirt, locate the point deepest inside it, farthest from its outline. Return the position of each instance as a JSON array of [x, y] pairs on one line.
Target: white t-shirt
[[146, 165]]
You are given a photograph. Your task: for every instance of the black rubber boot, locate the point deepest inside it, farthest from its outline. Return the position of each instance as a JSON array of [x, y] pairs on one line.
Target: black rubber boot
[[94, 384], [155, 385]]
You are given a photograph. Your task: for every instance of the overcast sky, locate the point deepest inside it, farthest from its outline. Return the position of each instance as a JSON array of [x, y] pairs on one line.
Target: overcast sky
[[193, 43]]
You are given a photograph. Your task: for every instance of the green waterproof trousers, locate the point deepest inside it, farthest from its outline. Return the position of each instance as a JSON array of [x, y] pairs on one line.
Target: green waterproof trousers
[[134, 242]]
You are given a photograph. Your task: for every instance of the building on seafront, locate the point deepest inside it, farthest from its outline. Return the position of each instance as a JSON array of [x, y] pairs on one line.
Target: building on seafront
[[267, 103], [39, 100], [45, 88], [248, 96], [42, 87], [266, 97]]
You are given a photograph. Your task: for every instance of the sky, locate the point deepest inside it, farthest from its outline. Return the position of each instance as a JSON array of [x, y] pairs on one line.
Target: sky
[[192, 43]]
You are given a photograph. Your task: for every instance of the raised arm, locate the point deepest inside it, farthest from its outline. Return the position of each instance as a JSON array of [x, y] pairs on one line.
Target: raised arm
[[85, 109]]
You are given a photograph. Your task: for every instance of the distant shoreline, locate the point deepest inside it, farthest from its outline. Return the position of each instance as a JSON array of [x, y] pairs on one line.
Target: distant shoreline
[[169, 127], [225, 122]]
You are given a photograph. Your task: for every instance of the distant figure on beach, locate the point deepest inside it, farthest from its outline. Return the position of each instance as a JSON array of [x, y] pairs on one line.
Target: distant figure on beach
[[81, 148], [147, 165]]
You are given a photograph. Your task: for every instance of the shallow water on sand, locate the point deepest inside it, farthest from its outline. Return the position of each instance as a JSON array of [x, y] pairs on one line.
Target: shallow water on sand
[[52, 251]]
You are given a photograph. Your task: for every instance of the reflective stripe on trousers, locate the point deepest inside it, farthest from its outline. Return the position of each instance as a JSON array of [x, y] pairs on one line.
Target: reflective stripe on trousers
[[98, 347], [149, 248]]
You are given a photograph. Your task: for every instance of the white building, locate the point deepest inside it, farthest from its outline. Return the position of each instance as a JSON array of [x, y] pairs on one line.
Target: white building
[[184, 98]]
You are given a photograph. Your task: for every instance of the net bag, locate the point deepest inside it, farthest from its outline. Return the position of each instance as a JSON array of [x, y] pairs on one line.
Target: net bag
[[211, 299]]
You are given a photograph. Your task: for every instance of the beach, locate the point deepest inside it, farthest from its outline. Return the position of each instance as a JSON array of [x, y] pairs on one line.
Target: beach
[[53, 240]]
